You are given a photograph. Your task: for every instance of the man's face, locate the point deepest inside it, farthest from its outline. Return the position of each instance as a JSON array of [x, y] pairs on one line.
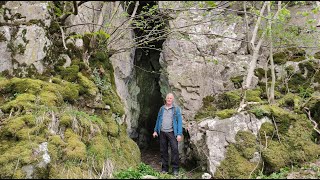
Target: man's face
[[169, 100]]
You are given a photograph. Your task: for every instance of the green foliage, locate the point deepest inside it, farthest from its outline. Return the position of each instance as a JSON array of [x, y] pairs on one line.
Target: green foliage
[[137, 173], [305, 93], [102, 83], [282, 174], [143, 170]]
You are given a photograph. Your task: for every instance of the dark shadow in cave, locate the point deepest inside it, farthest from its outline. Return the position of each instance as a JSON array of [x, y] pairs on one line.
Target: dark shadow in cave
[[147, 75]]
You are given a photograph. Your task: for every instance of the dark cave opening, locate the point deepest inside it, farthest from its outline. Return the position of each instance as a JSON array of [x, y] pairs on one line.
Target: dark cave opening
[[150, 98], [147, 75]]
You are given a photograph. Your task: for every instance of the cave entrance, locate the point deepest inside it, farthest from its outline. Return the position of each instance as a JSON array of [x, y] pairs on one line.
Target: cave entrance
[[147, 74]]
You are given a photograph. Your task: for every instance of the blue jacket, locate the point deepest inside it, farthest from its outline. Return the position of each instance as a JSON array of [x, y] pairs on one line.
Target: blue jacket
[[177, 121]]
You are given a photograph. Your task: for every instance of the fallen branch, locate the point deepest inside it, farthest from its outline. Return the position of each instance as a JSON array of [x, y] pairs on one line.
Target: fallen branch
[[310, 118], [63, 37]]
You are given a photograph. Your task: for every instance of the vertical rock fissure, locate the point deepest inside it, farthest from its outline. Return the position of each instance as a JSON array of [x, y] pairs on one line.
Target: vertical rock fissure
[[147, 74]]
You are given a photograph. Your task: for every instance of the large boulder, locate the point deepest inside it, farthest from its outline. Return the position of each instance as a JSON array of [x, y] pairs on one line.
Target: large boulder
[[211, 137]]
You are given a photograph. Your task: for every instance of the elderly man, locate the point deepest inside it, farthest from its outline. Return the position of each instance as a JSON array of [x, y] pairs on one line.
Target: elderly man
[[169, 129]]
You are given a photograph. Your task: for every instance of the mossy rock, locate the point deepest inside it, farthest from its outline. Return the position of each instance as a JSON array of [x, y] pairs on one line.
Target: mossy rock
[[283, 118], [253, 95], [70, 73], [260, 73], [290, 100], [22, 151], [113, 127], [205, 112], [235, 166], [313, 104], [112, 99], [280, 57], [237, 81], [21, 102], [275, 156], [228, 99], [297, 54], [266, 129], [87, 85], [226, 113], [76, 149], [48, 98], [296, 82], [246, 144], [299, 138], [289, 69], [309, 66], [26, 85], [261, 111], [79, 139], [317, 55], [66, 120], [101, 148], [207, 101]]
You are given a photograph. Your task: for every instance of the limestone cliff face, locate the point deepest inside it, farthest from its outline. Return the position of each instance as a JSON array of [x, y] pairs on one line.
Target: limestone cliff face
[[89, 108], [24, 42], [198, 61], [202, 57]]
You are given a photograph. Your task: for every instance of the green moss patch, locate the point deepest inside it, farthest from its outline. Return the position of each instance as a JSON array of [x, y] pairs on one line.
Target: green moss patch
[[235, 166], [276, 156], [37, 111], [226, 113]]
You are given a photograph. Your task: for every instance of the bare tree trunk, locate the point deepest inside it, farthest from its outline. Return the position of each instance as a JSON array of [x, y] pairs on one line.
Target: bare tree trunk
[[256, 49], [318, 6], [255, 31], [253, 62], [273, 76], [247, 26]]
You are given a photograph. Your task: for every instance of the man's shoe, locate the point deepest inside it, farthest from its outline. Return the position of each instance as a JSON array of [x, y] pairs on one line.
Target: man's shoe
[[164, 172]]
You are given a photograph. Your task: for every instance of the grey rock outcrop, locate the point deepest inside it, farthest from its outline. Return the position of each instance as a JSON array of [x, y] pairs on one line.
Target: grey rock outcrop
[[211, 137], [122, 60], [25, 41], [200, 58]]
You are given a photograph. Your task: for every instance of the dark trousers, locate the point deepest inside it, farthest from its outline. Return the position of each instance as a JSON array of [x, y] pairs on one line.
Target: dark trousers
[[165, 139]]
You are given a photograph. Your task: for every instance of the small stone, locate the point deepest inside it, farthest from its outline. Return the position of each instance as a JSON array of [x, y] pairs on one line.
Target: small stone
[[206, 176], [107, 107], [79, 43]]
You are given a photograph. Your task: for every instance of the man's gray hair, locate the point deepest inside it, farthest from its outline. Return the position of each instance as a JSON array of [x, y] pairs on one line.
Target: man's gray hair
[[169, 94]]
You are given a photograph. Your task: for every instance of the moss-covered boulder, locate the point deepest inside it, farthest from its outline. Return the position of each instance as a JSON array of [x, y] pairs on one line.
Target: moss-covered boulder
[[235, 166], [246, 143], [37, 112], [291, 54], [276, 156]]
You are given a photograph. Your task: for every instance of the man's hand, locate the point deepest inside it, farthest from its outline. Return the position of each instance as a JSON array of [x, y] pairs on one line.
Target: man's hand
[[179, 138], [155, 134]]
